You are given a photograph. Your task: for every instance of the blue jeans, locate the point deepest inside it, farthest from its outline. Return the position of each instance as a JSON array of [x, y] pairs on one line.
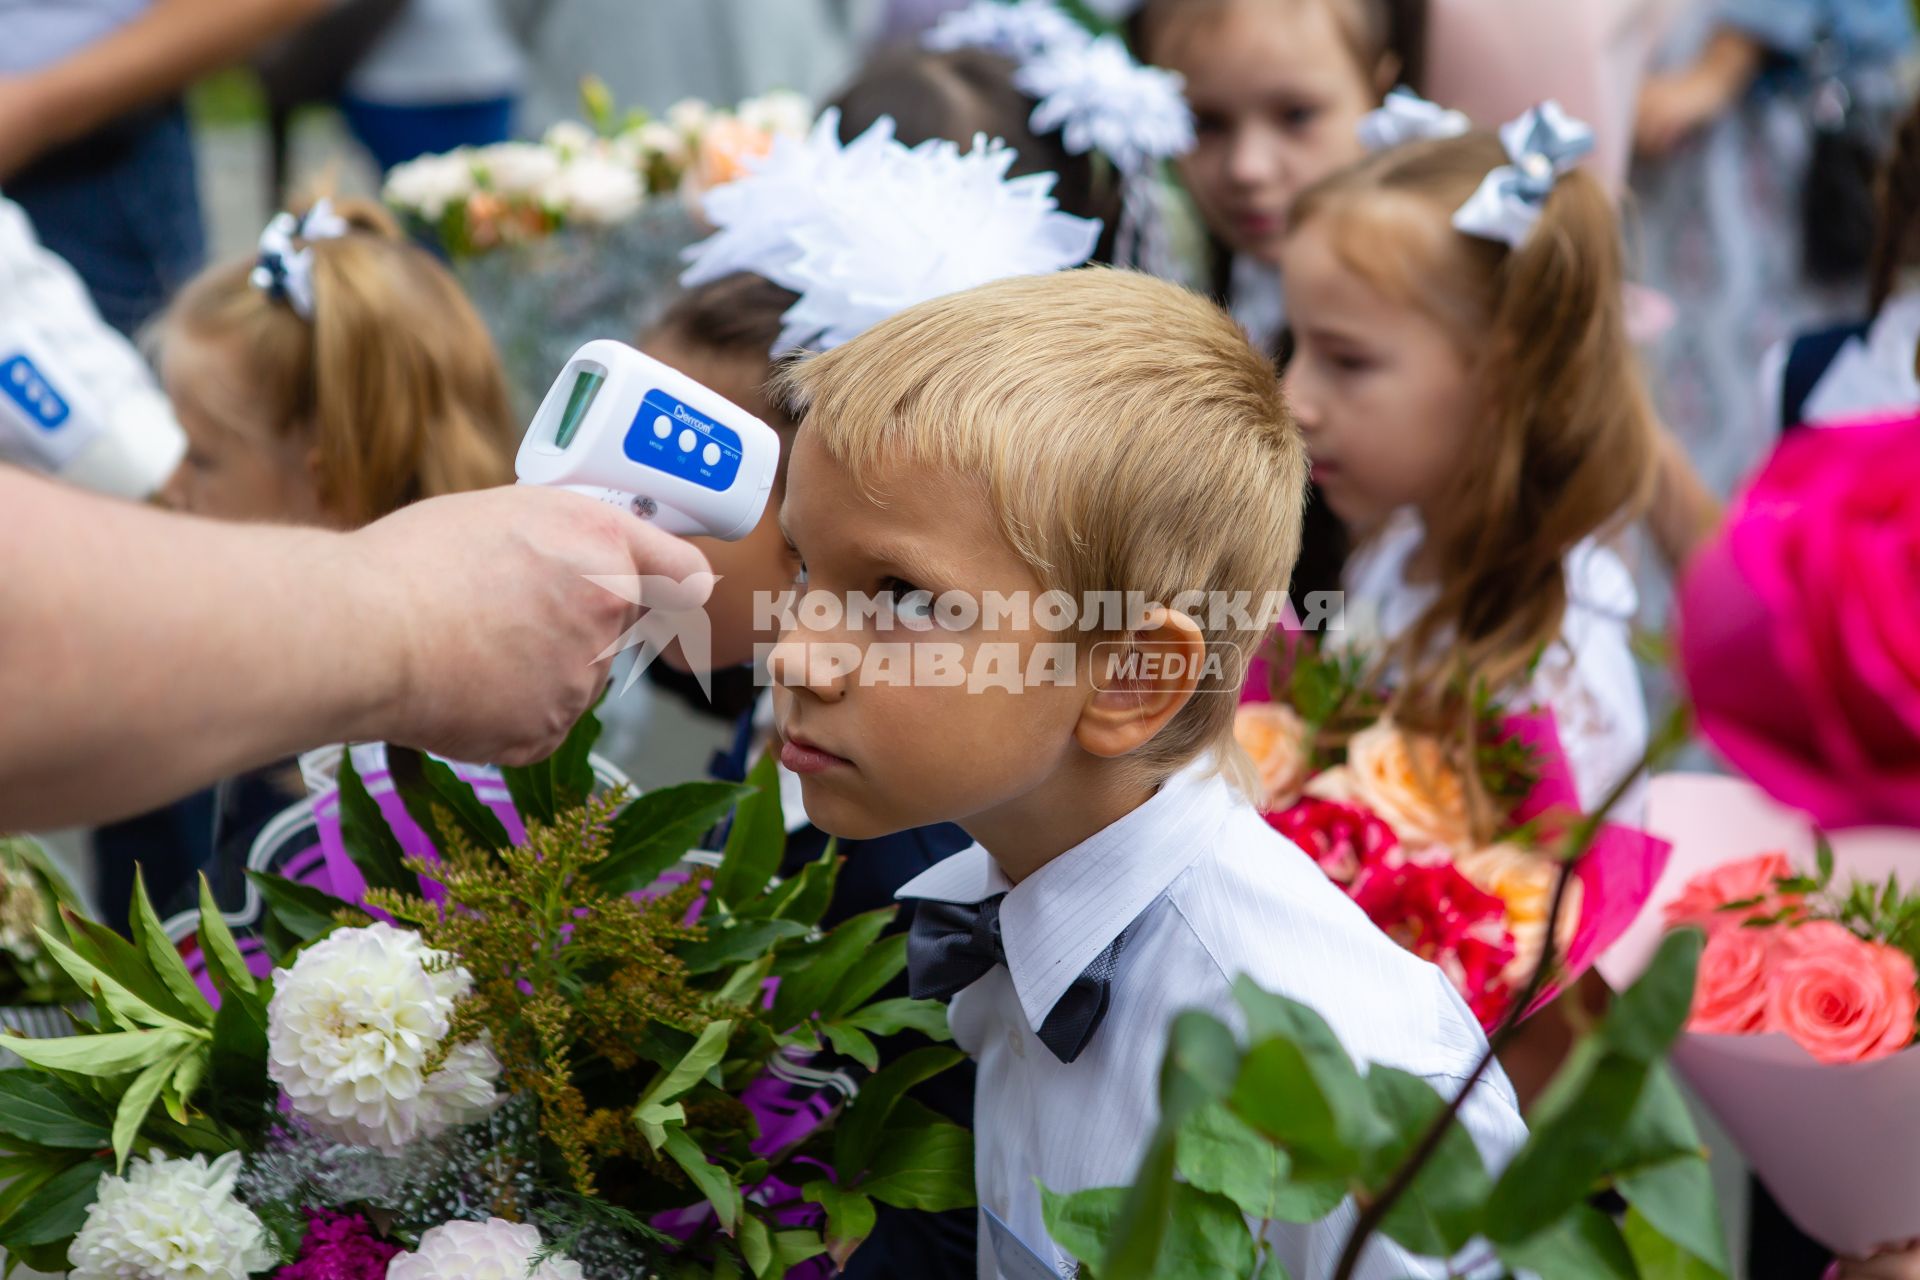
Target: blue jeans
[[396, 135], [123, 208]]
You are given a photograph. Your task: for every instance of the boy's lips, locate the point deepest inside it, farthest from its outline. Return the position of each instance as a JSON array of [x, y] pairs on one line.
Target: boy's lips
[[803, 757]]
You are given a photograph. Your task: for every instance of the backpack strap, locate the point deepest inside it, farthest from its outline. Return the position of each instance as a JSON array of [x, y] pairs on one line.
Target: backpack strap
[[1808, 360]]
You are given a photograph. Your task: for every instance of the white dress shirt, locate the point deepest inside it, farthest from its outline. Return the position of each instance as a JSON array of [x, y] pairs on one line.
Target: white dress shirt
[[1588, 679], [1213, 892]]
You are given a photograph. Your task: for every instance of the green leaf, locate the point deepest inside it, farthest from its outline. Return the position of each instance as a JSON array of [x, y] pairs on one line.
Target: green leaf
[[1575, 1126], [1299, 1087], [853, 1043], [884, 961], [1208, 1237], [307, 912], [729, 944], [106, 991], [39, 1109], [652, 1112], [163, 956], [134, 1105], [130, 969], [922, 1162], [712, 1180], [1440, 1212], [564, 780], [58, 1209], [1582, 1245], [368, 839], [1202, 1060], [809, 977], [890, 1017], [658, 829], [757, 839], [224, 961], [791, 1248], [857, 1135], [1659, 1258], [804, 897], [1823, 857], [756, 1246], [241, 1092], [850, 1214], [433, 793], [1647, 1017], [1216, 1151], [114, 1053], [1083, 1222], [1134, 1251], [1677, 1200]]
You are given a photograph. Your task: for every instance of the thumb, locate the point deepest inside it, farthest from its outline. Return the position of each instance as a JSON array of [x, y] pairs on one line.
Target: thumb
[[655, 554]]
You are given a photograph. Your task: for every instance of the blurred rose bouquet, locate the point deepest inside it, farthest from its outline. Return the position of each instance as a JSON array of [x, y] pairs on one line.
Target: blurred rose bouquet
[[1453, 857], [595, 174]]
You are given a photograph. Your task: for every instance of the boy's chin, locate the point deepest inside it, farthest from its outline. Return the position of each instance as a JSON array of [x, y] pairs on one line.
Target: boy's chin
[[844, 819]]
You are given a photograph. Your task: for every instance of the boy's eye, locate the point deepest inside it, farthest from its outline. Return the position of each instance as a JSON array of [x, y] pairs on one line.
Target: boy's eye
[[911, 605], [1299, 117], [1351, 364]]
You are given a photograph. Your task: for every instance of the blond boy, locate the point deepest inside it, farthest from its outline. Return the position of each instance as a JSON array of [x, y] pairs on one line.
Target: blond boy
[[1090, 435]]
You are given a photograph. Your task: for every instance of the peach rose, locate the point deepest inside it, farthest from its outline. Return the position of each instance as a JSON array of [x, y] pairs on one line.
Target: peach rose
[[1405, 778], [1336, 785], [1701, 901], [1276, 740], [1730, 996], [726, 147], [1843, 999], [1523, 880]]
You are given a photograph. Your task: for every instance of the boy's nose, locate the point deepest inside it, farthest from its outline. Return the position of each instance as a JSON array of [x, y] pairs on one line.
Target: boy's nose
[[1251, 159], [800, 662]]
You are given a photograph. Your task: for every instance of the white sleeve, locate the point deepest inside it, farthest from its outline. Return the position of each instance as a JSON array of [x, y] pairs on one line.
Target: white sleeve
[[77, 401]]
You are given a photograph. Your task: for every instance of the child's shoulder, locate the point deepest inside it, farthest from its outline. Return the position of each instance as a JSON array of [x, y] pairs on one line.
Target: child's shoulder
[[1262, 908]]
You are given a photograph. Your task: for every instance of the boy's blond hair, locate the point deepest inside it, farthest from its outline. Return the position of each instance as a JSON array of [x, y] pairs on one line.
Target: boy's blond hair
[[1130, 438]]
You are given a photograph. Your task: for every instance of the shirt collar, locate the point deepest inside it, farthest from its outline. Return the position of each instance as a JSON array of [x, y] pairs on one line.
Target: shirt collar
[[1058, 920]]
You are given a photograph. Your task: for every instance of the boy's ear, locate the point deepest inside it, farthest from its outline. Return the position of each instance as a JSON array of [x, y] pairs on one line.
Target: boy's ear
[[1387, 73], [1140, 683]]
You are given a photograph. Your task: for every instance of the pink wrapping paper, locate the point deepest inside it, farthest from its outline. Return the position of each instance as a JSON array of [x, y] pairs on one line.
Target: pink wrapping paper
[[1838, 1146]]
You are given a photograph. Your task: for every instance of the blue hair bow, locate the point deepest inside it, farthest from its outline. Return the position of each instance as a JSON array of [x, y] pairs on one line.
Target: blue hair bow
[[1542, 145], [285, 273]]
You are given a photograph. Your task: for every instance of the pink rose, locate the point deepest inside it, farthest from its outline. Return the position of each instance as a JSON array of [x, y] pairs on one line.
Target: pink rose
[[1843, 999], [1730, 996], [1798, 633], [1748, 879]]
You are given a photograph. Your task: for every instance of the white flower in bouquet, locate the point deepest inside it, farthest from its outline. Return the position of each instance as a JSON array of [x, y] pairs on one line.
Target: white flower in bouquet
[[570, 138], [354, 1027], [492, 1250], [22, 910], [594, 190], [516, 168], [690, 116], [168, 1219], [781, 111], [656, 138], [429, 184]]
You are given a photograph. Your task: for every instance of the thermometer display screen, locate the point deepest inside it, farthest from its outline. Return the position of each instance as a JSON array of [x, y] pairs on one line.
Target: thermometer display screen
[[585, 387]]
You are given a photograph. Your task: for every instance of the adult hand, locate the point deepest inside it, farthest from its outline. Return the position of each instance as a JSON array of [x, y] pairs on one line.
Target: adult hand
[[23, 127], [501, 637]]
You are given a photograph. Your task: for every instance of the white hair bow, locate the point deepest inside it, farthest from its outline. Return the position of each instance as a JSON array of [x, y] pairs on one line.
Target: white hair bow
[[1407, 117], [1542, 144], [285, 272]]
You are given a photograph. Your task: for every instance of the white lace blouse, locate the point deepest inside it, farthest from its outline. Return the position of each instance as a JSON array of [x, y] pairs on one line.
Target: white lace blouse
[[1587, 679]]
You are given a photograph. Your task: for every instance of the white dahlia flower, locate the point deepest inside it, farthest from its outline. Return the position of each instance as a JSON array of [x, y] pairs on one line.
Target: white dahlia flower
[[429, 184], [492, 1250], [594, 191], [352, 1028], [170, 1220]]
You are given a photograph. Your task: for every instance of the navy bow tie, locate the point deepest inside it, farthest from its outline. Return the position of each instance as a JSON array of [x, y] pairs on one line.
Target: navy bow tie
[[953, 945]]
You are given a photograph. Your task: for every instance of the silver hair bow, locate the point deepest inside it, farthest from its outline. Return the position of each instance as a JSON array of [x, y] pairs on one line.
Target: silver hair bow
[[1543, 144], [285, 272], [1407, 117]]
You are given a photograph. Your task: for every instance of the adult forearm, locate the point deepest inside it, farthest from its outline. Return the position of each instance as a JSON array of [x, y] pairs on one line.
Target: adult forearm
[[167, 47], [144, 654]]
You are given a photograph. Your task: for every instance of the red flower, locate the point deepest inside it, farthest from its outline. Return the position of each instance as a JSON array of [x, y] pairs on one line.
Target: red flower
[[1344, 839], [1440, 916]]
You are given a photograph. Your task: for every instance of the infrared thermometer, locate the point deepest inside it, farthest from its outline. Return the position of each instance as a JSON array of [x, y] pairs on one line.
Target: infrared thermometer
[[622, 428]]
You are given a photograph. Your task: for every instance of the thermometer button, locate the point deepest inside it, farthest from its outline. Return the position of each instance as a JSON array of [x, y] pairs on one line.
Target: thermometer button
[[710, 455], [662, 427], [688, 440]]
